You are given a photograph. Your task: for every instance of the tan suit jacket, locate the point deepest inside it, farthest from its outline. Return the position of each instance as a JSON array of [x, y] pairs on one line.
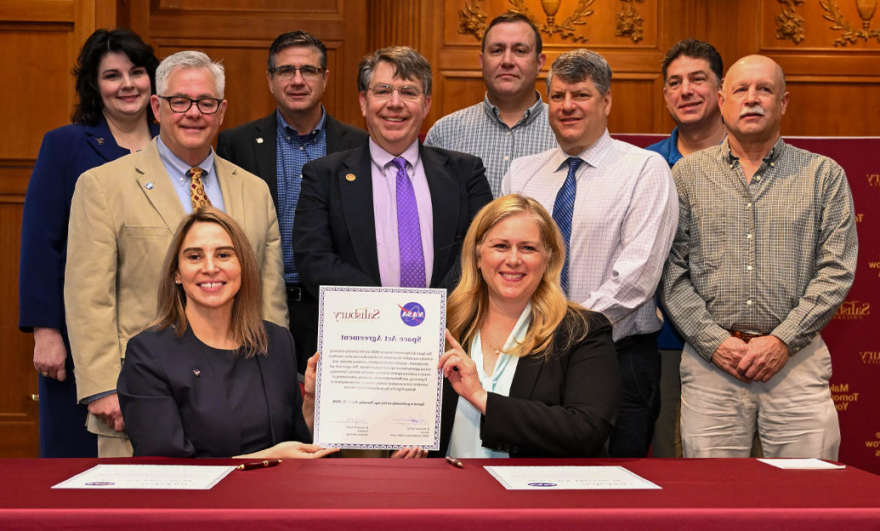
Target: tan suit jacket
[[122, 220]]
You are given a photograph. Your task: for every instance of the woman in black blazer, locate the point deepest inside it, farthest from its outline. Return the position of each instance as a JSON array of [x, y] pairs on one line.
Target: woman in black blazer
[[539, 375], [115, 76], [210, 378]]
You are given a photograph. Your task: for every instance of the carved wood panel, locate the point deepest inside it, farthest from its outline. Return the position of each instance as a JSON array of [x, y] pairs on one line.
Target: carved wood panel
[[240, 32]]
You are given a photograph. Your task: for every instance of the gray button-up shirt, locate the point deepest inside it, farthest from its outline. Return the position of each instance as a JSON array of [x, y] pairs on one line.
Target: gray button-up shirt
[[775, 256]]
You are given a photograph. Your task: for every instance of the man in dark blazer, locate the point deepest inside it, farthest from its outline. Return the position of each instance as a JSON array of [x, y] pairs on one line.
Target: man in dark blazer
[[276, 147], [346, 229]]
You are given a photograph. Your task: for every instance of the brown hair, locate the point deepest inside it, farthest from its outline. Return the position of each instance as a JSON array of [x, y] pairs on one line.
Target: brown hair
[[247, 324], [469, 303]]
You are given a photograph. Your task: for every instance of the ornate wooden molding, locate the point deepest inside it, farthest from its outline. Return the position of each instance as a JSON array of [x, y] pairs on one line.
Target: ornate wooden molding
[[851, 35], [473, 18], [789, 23], [629, 21]]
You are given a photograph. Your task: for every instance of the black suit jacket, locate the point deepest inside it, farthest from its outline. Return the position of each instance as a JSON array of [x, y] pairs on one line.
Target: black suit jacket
[[564, 406], [252, 146], [334, 239], [175, 406]]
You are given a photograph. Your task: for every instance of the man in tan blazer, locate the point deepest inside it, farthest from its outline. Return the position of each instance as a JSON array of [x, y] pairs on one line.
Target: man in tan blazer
[[123, 217]]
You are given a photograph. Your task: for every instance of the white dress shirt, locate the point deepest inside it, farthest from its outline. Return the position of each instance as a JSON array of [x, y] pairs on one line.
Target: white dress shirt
[[625, 216]]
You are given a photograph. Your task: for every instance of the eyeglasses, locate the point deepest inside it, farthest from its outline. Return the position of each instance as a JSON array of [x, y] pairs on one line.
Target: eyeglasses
[[179, 104], [309, 73], [406, 92]]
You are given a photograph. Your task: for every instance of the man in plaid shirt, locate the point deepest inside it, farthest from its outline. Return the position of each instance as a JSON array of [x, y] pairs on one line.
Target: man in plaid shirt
[[764, 254]]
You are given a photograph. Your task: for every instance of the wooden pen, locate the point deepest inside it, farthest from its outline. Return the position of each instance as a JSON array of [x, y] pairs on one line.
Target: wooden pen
[[454, 462], [259, 464]]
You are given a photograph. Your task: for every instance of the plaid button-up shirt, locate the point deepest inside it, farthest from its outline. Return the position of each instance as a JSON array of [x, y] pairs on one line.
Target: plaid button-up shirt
[[775, 256]]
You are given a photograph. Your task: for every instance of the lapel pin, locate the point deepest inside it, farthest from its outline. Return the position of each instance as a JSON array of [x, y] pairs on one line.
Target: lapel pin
[[350, 177], [197, 372], [259, 141], [100, 141], [149, 185]]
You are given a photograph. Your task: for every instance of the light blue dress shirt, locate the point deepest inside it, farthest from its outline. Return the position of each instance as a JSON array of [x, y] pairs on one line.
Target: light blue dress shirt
[[177, 169], [465, 441]]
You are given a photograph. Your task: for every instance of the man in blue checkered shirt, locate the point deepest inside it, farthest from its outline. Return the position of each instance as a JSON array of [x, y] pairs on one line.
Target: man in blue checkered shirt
[[277, 147]]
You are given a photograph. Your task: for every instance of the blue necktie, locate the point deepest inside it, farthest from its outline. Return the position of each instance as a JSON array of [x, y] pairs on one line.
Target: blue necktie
[[409, 234], [563, 209]]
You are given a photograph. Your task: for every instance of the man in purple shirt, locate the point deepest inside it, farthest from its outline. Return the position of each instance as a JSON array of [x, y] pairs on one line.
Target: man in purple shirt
[[347, 231]]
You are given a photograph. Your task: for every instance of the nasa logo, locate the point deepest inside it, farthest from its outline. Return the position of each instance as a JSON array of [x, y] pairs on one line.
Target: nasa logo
[[412, 313]]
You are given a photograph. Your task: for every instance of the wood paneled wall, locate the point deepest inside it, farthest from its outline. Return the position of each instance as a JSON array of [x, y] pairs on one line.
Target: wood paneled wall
[[833, 76]]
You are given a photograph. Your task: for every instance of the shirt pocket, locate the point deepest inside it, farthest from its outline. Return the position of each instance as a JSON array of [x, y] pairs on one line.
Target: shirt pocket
[[708, 237]]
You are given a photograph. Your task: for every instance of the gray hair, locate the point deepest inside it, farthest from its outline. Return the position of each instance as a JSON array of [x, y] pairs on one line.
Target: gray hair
[[407, 63], [189, 59], [580, 65]]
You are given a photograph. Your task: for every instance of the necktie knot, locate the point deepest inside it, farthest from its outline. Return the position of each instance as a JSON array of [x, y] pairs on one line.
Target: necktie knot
[[194, 173], [399, 163], [573, 164]]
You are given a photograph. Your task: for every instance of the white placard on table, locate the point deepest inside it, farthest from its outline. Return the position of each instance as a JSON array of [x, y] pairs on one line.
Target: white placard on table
[[802, 464], [568, 478], [153, 477], [378, 386]]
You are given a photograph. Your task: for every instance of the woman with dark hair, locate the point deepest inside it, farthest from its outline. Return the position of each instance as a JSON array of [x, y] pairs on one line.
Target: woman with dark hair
[[210, 378], [529, 374], [114, 80]]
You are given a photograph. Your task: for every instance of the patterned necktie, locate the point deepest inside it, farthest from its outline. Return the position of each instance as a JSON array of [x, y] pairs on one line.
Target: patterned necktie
[[563, 209], [409, 235], [197, 189]]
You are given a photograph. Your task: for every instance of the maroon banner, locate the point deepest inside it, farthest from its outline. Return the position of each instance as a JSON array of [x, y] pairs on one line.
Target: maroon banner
[[851, 337]]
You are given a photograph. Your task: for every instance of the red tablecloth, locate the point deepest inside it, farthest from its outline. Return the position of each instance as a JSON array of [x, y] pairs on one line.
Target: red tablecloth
[[387, 494]]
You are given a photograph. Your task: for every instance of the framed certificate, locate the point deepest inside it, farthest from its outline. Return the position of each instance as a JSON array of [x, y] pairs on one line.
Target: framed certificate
[[378, 386]]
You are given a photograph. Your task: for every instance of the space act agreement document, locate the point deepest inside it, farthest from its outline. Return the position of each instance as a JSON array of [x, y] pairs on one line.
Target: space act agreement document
[[378, 386], [568, 478], [151, 477]]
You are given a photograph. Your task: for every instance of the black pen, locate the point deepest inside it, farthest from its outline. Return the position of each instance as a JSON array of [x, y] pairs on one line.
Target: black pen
[[454, 462], [259, 464]]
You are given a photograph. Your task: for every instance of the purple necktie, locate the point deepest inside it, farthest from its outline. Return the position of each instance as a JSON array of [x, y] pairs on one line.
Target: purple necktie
[[409, 235]]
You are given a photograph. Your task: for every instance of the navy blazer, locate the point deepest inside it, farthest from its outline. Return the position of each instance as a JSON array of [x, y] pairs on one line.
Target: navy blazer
[[66, 153], [334, 238], [563, 406], [175, 406], [252, 146]]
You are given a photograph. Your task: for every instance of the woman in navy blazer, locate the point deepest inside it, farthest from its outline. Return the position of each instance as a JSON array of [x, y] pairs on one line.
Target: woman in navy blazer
[[115, 76], [210, 378], [538, 375]]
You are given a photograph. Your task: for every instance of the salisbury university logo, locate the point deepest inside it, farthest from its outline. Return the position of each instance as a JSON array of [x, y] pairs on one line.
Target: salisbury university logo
[[412, 313]]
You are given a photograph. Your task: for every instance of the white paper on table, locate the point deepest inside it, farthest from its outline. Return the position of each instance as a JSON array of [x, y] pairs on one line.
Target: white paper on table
[[568, 478], [377, 384], [155, 477], [802, 464]]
